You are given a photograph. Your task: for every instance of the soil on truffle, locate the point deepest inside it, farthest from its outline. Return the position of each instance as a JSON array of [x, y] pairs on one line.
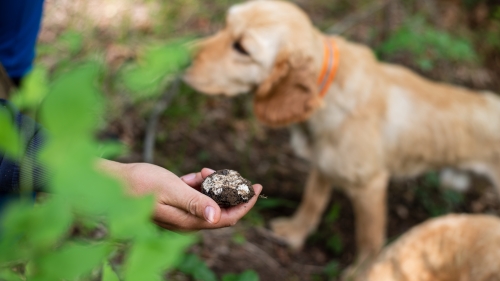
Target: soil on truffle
[[229, 195]]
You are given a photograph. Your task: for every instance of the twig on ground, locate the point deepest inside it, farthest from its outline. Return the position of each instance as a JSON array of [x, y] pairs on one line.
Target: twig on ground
[[354, 19], [160, 107], [263, 255]]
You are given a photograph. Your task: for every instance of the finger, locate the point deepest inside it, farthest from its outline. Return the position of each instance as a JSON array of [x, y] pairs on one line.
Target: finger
[[232, 215], [205, 172], [180, 195], [194, 180], [172, 218]]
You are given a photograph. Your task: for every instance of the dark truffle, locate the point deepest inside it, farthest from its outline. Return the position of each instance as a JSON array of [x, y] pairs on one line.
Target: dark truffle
[[227, 188]]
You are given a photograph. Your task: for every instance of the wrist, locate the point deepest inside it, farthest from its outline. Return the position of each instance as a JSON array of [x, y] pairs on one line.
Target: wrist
[[113, 168]]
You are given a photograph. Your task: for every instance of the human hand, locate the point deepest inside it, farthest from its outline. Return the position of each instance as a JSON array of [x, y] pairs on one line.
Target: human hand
[[179, 204]]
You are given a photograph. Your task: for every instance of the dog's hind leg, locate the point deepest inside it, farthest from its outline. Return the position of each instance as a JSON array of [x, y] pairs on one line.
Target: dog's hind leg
[[295, 230]]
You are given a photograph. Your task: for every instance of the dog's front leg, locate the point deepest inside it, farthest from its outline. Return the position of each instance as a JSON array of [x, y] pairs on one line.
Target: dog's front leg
[[369, 207], [295, 230]]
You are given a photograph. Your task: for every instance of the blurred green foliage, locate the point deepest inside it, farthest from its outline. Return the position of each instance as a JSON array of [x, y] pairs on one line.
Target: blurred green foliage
[[146, 78], [38, 239], [34, 90], [9, 138], [195, 267], [247, 275], [427, 45], [38, 242], [436, 200]]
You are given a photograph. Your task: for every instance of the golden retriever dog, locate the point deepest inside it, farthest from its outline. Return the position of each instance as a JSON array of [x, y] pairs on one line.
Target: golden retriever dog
[[449, 248], [358, 121]]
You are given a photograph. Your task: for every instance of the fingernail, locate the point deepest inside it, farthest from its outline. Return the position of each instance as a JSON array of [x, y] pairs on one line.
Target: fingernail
[[189, 177], [210, 214], [210, 170]]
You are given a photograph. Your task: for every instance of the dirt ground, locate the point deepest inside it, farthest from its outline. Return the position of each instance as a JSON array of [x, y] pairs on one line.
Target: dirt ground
[[198, 131]]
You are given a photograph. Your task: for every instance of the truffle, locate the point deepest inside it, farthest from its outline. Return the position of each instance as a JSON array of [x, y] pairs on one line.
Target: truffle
[[227, 188]]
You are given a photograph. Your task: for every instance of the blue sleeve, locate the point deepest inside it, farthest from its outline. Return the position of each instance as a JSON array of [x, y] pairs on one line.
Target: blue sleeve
[[32, 137], [19, 27]]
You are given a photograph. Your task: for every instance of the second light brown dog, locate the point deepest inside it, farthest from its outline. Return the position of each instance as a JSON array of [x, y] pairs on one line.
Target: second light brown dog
[[449, 248], [374, 121]]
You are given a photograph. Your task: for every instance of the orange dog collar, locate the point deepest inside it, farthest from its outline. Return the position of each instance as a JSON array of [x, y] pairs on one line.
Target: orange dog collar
[[330, 65]]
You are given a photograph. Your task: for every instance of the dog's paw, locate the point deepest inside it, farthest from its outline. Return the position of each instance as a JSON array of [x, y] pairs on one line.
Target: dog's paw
[[290, 232]]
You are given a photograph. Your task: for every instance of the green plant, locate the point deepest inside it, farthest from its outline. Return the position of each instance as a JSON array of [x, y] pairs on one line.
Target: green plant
[[427, 45], [39, 242], [334, 213], [194, 266], [437, 201], [247, 275], [146, 77], [332, 269], [335, 244]]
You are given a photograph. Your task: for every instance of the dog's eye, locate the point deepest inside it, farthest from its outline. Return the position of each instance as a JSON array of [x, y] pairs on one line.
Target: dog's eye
[[237, 46]]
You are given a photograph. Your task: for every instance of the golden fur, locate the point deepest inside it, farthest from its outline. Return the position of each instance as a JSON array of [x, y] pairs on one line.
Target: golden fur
[[449, 248], [377, 121]]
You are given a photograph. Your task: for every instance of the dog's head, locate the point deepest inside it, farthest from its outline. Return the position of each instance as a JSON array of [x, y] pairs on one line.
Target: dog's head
[[269, 48]]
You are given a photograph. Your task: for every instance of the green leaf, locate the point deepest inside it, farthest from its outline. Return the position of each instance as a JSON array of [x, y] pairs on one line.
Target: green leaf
[[60, 221], [432, 179], [197, 268], [149, 75], [71, 261], [111, 149], [332, 269], [335, 244], [72, 40], [10, 140], [25, 231], [230, 277], [73, 104], [108, 274], [248, 275], [149, 257], [33, 89], [334, 213], [131, 217]]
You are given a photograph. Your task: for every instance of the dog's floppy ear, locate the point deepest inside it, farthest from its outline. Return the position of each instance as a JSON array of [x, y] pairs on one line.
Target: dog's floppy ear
[[289, 94]]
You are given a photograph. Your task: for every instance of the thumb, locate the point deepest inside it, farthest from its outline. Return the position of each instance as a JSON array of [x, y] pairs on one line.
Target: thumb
[[204, 207], [198, 204]]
